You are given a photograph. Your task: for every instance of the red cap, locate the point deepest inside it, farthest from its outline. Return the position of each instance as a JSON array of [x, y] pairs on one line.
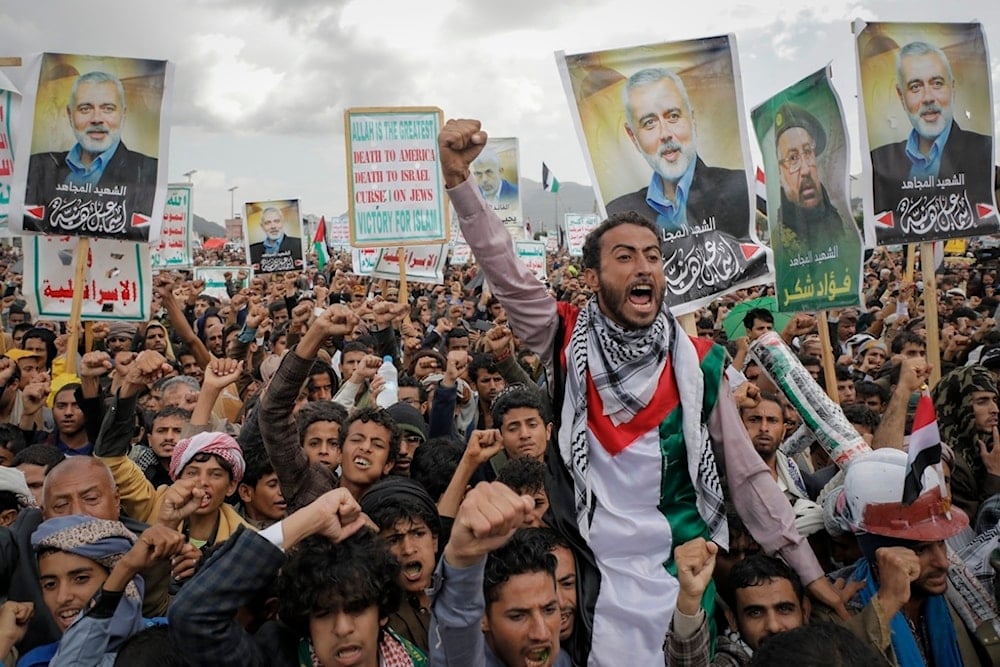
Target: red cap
[[930, 518]]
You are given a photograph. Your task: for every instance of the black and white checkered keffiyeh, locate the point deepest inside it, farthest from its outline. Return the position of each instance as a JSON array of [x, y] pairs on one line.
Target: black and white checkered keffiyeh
[[626, 367]]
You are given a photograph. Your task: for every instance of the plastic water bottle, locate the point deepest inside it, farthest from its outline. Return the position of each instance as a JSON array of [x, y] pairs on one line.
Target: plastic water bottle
[[390, 392]]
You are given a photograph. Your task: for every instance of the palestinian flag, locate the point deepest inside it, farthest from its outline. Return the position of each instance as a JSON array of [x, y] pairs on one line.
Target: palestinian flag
[[552, 186], [925, 447], [319, 245]]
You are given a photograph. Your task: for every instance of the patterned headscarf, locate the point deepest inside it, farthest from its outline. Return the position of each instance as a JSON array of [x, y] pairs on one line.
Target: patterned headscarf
[[219, 444], [100, 540], [871, 345], [953, 405], [104, 542]]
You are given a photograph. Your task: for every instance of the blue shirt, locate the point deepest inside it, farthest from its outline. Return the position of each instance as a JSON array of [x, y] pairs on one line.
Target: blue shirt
[[40, 656], [86, 450], [271, 247], [929, 165], [672, 215], [80, 174], [457, 607]]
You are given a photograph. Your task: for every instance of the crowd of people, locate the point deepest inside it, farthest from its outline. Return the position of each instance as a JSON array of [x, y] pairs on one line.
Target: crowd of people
[[560, 475]]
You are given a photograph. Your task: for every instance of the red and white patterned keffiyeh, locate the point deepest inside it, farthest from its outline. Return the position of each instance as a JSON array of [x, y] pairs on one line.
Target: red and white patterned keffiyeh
[[219, 444]]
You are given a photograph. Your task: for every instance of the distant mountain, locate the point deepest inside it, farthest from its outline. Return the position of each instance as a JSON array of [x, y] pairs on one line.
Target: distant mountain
[[208, 229], [546, 210]]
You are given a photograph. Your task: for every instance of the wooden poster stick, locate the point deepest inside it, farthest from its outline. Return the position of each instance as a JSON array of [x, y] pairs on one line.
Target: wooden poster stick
[[79, 276], [931, 312], [404, 292], [911, 262], [689, 324], [829, 356]]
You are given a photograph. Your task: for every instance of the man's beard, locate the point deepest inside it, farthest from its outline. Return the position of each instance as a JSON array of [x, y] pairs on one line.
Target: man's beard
[[275, 237], [807, 183], [767, 449], [672, 171], [930, 130], [489, 189], [614, 298], [798, 218], [97, 146]]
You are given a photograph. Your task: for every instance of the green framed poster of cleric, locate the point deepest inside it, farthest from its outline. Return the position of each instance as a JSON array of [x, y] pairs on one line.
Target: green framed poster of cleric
[[394, 183], [816, 243]]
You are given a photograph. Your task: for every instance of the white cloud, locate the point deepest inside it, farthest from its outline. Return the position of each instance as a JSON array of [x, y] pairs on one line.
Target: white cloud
[[230, 88]]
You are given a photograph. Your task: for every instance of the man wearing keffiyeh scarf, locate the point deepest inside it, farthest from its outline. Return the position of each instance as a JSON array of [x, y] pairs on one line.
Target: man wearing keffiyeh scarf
[[88, 571], [644, 412], [965, 402]]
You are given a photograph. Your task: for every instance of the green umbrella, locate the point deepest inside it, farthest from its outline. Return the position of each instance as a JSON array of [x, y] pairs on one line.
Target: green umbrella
[[733, 323]]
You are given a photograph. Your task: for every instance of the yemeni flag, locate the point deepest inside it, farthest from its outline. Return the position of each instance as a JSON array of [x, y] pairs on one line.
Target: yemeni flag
[[546, 176], [761, 192], [925, 447], [319, 244]]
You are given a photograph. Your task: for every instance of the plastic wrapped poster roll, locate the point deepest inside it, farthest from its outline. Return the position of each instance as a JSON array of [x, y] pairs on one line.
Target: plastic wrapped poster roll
[[819, 414], [799, 441]]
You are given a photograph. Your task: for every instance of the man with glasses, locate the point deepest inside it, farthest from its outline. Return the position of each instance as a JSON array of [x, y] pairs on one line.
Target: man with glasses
[[413, 394], [807, 217]]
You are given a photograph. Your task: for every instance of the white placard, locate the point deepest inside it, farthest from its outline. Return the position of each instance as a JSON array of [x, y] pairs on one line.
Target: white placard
[[117, 282]]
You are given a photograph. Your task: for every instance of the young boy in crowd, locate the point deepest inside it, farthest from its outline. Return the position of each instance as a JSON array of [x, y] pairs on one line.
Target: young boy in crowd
[[261, 501], [368, 449], [337, 589], [303, 481], [213, 459], [88, 569], [408, 522], [320, 424], [495, 601], [526, 477]]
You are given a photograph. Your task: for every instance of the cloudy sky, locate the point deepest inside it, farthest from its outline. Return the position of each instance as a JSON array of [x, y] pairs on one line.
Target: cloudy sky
[[261, 85]]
